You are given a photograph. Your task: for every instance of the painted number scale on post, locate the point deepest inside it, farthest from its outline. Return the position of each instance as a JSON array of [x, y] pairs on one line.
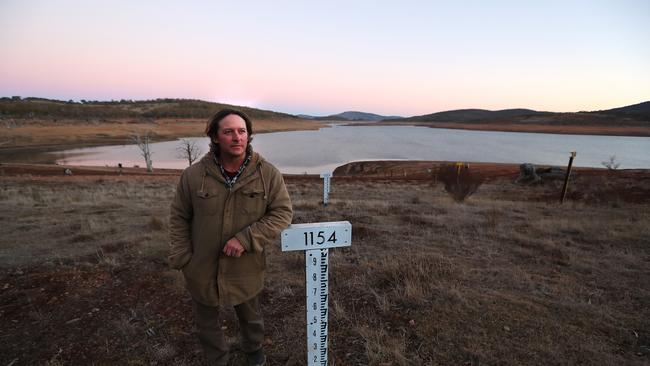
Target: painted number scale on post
[[316, 239], [317, 306], [326, 187]]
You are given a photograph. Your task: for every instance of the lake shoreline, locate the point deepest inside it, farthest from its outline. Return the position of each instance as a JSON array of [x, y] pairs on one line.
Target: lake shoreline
[[416, 170], [599, 130], [29, 139], [429, 146], [36, 136]]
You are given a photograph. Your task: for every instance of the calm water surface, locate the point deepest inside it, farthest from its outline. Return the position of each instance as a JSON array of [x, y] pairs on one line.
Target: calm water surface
[[323, 150]]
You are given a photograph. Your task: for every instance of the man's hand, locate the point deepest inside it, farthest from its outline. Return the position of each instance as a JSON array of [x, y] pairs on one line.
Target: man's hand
[[233, 248]]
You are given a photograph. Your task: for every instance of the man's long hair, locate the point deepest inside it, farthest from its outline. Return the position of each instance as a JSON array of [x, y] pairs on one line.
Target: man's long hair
[[212, 128]]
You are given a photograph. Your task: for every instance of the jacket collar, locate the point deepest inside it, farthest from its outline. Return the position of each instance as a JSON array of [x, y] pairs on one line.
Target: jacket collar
[[211, 169]]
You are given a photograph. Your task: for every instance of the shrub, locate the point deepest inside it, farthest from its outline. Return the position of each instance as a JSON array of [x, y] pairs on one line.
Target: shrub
[[612, 164], [459, 181]]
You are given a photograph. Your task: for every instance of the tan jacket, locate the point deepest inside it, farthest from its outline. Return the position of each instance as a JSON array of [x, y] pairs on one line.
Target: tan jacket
[[205, 214]]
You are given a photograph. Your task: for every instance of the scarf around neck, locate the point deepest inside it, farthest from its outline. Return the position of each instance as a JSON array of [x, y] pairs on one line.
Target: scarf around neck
[[230, 181]]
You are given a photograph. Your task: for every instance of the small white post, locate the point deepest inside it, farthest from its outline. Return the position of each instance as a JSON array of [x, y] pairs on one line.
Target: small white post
[[326, 187], [316, 239]]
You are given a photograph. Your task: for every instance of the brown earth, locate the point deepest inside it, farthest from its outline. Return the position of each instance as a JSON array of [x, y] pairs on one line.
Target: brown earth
[[508, 277], [31, 135], [570, 129]]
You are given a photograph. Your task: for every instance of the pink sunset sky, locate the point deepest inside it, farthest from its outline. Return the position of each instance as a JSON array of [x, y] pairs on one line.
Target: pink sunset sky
[[392, 58]]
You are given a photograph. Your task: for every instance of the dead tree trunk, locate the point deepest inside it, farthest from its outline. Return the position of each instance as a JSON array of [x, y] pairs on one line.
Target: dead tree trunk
[[145, 151]]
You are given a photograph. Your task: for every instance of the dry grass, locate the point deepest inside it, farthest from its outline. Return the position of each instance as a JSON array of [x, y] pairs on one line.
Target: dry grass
[[495, 280], [50, 222], [45, 133], [505, 278]]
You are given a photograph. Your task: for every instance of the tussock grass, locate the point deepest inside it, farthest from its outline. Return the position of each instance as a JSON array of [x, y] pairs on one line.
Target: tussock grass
[[77, 219], [500, 279], [524, 280], [382, 347]]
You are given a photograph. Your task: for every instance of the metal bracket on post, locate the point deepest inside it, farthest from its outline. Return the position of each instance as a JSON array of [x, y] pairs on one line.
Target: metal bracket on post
[[326, 187], [315, 240]]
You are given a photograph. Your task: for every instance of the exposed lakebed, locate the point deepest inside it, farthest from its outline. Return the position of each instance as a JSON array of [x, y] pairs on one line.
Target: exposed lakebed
[[323, 150]]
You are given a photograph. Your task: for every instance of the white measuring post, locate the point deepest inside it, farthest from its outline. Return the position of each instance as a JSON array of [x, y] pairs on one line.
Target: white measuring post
[[326, 187], [316, 239]]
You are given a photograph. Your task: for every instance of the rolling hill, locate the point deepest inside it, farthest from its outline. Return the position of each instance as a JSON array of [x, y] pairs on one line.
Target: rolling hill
[[355, 116], [638, 111], [633, 115], [42, 108], [470, 115], [38, 108]]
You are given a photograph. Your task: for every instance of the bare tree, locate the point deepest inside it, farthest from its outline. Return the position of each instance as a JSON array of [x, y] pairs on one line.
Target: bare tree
[[612, 164], [187, 149], [143, 145]]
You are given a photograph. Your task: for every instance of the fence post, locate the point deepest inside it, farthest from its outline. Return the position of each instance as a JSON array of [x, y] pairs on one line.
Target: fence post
[[566, 178]]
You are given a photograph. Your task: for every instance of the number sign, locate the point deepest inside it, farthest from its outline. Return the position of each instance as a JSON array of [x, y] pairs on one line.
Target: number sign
[[320, 235], [315, 239]]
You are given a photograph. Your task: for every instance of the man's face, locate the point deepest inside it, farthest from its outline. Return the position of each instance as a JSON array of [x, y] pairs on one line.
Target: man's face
[[232, 136]]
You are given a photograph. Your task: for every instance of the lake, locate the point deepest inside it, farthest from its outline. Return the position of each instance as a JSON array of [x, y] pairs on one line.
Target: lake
[[313, 152]]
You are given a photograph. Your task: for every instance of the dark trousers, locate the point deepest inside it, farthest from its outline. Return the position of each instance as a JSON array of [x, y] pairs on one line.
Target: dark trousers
[[211, 336]]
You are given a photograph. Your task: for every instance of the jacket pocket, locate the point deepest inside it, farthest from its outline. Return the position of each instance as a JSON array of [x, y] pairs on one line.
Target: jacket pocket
[[252, 201], [253, 192], [206, 202]]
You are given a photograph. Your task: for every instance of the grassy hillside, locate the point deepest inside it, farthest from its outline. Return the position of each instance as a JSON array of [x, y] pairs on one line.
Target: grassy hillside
[[38, 108], [638, 111], [471, 115], [34, 124], [634, 115]]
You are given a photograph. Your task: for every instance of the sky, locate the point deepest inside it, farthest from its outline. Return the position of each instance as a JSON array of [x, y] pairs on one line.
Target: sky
[[401, 58]]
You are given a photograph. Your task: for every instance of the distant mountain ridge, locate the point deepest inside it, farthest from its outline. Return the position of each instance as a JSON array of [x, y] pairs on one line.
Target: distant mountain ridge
[[355, 116], [637, 113], [471, 115], [640, 110], [33, 107]]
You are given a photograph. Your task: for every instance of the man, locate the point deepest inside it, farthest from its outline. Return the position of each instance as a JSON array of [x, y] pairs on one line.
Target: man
[[228, 207]]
